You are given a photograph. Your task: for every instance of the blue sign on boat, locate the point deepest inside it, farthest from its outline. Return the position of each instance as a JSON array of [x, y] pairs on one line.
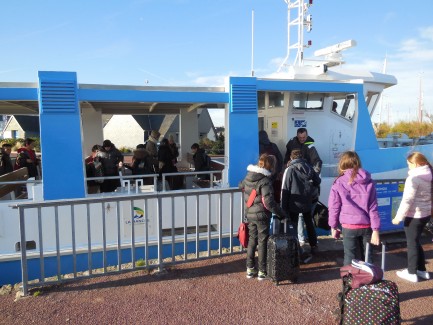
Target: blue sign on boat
[[300, 123], [389, 194]]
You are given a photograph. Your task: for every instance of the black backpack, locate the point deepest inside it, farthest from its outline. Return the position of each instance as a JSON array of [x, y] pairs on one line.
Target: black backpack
[[320, 217]]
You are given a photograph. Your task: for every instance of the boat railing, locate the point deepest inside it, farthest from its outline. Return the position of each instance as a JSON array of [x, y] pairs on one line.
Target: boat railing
[[119, 233], [192, 179]]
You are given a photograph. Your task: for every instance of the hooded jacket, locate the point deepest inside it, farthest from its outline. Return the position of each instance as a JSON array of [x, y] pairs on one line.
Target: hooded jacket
[[417, 196], [258, 178], [308, 151], [141, 162], [355, 203], [266, 146], [299, 188]]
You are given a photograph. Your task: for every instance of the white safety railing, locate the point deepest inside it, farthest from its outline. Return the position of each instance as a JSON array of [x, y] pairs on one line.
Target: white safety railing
[[75, 239]]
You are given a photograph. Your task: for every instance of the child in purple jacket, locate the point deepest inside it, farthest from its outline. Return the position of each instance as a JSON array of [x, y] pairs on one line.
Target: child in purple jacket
[[352, 205]]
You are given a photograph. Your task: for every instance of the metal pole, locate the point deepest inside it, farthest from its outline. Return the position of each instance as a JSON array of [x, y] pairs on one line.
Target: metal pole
[[24, 270]]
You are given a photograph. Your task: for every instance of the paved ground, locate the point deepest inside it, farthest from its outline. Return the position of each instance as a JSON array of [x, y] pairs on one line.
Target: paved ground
[[215, 291]]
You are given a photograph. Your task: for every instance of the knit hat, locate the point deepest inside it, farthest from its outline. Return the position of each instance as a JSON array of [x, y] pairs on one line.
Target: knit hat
[[155, 134]]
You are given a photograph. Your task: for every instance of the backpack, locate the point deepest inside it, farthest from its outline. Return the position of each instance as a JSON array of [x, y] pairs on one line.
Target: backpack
[[320, 217]]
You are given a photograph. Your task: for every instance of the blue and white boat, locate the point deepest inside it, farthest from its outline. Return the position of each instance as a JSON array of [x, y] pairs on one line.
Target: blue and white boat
[[66, 230]]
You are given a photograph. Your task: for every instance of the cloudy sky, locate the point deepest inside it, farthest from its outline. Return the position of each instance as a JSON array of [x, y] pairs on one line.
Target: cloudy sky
[[200, 42]]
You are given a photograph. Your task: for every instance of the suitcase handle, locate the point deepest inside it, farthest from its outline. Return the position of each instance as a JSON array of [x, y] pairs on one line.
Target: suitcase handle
[[367, 254], [287, 222]]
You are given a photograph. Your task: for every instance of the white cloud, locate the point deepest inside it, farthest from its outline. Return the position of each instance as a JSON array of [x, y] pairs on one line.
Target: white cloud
[[427, 33]]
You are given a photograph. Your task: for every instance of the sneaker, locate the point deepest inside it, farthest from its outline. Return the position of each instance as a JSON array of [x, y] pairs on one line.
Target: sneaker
[[251, 273], [423, 274], [404, 274], [362, 265], [261, 276], [305, 258]]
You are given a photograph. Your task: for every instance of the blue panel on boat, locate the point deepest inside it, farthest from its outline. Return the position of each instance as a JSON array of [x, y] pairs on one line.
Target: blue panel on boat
[[61, 143], [389, 194]]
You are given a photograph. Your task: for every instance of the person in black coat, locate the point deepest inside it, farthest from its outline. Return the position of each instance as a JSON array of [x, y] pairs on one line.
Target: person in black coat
[[6, 165], [305, 143], [142, 164], [201, 160], [166, 163], [112, 160], [266, 146], [299, 189], [260, 212]]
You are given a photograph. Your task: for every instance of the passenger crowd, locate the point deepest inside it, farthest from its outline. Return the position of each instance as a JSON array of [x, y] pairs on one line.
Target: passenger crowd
[[288, 189], [150, 159]]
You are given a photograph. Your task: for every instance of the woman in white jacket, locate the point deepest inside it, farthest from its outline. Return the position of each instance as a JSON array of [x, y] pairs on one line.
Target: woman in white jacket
[[415, 210]]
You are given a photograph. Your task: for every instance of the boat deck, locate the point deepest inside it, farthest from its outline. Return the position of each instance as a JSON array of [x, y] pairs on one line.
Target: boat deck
[[215, 291]]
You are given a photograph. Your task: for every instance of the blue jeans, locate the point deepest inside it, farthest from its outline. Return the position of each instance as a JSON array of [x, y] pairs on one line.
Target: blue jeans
[[301, 223], [354, 243], [415, 254]]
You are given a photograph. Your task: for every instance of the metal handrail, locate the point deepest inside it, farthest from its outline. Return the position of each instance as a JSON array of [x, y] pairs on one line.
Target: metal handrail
[[222, 236]]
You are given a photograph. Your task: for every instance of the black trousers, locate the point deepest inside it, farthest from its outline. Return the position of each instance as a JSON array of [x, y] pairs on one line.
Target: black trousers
[[354, 243], [258, 239], [415, 254]]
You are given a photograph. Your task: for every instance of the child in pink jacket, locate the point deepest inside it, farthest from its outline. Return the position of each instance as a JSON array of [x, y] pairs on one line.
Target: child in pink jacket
[[352, 205]]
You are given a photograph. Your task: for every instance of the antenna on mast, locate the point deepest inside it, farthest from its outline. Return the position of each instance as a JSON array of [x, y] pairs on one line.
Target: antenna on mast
[[302, 20]]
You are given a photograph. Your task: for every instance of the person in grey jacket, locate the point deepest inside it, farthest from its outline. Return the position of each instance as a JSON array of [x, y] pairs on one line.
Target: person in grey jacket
[[299, 187], [260, 211], [415, 210]]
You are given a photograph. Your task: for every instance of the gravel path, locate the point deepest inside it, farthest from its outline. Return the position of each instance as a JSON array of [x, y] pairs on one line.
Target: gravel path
[[212, 291]]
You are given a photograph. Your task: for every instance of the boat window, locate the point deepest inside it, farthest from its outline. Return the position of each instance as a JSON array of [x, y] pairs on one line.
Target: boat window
[[371, 100], [310, 101], [261, 100], [348, 109], [276, 99], [343, 106]]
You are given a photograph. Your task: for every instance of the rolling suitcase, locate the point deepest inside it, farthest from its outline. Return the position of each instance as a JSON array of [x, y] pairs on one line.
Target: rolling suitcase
[[283, 256], [376, 303]]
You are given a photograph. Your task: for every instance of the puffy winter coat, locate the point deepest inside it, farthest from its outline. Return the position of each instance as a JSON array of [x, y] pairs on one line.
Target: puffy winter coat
[[417, 197], [264, 203], [354, 203]]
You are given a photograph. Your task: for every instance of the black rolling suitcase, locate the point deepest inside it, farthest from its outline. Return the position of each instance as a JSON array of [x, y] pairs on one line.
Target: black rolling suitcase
[[376, 303], [283, 256]]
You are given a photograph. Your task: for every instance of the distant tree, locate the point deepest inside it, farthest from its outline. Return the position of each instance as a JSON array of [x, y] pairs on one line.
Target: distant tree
[[382, 130], [213, 147], [413, 129]]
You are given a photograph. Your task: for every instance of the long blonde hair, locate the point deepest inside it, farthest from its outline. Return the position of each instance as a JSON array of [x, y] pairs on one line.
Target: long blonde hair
[[349, 160]]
